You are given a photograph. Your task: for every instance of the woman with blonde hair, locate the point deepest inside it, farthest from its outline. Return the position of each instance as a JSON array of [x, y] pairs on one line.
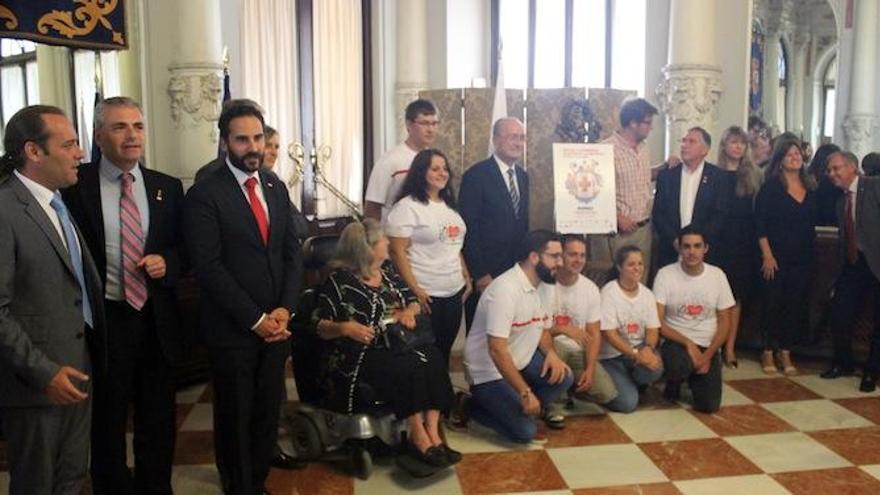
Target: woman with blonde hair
[[738, 245]]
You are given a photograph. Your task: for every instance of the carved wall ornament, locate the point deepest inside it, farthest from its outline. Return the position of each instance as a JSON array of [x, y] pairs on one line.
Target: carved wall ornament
[[860, 129], [196, 95], [689, 96]]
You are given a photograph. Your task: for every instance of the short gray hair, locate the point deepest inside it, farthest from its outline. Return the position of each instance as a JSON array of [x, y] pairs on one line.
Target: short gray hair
[[354, 251], [496, 127], [115, 101]]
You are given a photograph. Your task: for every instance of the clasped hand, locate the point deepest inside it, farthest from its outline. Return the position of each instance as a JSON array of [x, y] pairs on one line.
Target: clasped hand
[[273, 328]]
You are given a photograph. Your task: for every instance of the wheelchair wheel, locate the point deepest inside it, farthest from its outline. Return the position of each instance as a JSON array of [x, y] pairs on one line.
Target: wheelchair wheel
[[305, 437], [361, 463]]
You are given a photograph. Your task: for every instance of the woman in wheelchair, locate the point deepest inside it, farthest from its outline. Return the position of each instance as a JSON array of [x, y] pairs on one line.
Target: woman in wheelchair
[[361, 306]]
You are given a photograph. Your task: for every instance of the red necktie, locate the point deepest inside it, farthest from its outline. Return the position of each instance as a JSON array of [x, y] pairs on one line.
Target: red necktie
[[849, 227], [257, 209], [133, 281]]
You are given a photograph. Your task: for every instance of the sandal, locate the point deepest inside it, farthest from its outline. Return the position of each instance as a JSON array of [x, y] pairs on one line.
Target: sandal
[[554, 421], [785, 363], [767, 363]]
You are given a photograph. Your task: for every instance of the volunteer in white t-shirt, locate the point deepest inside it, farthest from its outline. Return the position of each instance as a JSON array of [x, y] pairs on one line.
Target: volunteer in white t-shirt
[[513, 369], [427, 235], [630, 330], [574, 306], [694, 303], [390, 170]]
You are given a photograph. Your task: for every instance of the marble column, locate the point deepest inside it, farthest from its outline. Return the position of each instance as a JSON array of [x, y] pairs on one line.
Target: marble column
[[861, 123], [691, 88], [412, 56], [797, 73], [195, 86], [770, 87]]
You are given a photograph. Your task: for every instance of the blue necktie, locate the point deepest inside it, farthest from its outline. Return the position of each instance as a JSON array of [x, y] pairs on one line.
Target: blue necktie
[[75, 254]]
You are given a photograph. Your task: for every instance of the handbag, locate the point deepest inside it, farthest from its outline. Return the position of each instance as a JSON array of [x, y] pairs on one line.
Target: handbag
[[403, 339]]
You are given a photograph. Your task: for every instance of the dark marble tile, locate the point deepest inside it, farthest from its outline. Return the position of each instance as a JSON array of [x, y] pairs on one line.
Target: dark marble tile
[[507, 472], [315, 479], [586, 430], [867, 407], [857, 445], [842, 481], [646, 489], [750, 419], [703, 458], [773, 390], [194, 447], [208, 394]]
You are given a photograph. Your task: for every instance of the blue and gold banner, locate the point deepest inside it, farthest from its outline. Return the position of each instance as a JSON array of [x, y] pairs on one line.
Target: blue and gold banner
[[95, 24]]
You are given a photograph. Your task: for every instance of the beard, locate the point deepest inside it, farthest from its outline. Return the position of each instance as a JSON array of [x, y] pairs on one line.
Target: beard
[[545, 274], [242, 162]]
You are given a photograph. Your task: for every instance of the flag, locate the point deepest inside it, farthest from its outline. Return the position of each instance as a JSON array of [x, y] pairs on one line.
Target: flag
[[95, 154], [499, 105], [227, 95], [83, 133]]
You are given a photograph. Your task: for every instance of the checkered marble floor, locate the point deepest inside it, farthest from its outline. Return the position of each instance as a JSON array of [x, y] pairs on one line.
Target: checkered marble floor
[[800, 435]]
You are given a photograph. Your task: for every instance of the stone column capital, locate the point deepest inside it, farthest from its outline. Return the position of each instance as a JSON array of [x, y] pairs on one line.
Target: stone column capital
[[860, 129], [195, 91]]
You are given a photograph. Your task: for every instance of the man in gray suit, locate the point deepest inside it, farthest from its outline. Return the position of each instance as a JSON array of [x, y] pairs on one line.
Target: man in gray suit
[[51, 312], [859, 217]]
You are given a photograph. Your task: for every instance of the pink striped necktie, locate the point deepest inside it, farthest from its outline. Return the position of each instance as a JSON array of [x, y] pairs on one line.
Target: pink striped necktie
[[134, 281]]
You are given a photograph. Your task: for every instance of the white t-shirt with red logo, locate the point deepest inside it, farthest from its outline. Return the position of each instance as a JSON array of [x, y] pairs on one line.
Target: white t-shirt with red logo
[[691, 301], [577, 304], [631, 317], [387, 177], [510, 308], [436, 233]]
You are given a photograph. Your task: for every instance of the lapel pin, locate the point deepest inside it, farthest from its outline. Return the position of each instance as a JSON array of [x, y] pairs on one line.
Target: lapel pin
[[159, 195], [705, 180], [269, 184]]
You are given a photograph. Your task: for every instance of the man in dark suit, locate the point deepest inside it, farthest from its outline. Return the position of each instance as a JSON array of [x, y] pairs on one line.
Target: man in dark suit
[[494, 202], [242, 241], [130, 218], [858, 214], [693, 193], [51, 313]]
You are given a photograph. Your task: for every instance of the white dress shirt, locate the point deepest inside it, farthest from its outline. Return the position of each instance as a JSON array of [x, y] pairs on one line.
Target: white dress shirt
[[44, 196], [241, 176], [503, 167], [690, 184]]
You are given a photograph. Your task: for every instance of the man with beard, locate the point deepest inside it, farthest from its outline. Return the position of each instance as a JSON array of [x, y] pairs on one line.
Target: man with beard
[[694, 303], [513, 367], [241, 237]]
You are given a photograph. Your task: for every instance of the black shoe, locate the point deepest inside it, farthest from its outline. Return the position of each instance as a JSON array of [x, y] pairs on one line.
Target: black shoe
[[452, 456], [869, 383], [458, 416], [836, 372], [432, 456], [672, 392], [284, 461]]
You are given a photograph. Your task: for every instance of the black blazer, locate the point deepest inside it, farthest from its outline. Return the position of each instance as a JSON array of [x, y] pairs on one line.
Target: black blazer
[[165, 200], [867, 221], [709, 208], [240, 277], [494, 231]]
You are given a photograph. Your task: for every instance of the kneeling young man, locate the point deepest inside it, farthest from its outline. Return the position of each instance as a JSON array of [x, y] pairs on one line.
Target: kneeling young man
[[693, 302], [575, 308], [512, 366]]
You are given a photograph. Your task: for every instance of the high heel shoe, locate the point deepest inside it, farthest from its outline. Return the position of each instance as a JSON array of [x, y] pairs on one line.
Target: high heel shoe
[[767, 363], [730, 361], [785, 363]]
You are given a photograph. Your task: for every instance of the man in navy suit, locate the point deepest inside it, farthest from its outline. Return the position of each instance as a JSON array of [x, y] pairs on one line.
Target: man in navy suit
[[494, 202], [241, 237], [130, 219], [692, 194]]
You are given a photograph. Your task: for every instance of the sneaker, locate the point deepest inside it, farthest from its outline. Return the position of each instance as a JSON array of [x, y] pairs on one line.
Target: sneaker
[[540, 437], [554, 421]]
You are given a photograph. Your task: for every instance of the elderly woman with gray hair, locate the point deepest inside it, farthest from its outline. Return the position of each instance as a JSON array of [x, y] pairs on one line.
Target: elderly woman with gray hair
[[359, 303]]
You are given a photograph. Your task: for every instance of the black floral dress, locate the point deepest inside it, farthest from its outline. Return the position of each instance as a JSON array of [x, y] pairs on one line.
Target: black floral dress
[[356, 375]]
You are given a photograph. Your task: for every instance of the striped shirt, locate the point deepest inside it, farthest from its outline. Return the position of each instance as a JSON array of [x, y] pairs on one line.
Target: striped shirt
[[632, 174]]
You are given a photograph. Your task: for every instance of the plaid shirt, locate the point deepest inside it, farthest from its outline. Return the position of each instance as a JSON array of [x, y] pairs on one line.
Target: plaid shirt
[[632, 173]]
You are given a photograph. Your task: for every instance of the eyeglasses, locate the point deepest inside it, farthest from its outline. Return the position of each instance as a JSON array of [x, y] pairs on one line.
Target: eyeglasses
[[555, 256], [427, 123]]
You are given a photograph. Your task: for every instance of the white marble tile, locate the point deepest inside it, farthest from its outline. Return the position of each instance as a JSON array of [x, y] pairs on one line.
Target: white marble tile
[[290, 388], [478, 438], [820, 414], [873, 470], [779, 452], [844, 387], [733, 397], [661, 425], [748, 368], [190, 395], [758, 484], [200, 418], [388, 478], [195, 480], [605, 465]]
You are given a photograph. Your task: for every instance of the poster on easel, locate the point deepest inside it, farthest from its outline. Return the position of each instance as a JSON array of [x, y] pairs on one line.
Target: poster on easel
[[583, 181]]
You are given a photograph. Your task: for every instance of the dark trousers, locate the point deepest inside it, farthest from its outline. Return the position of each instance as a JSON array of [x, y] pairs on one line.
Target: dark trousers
[[706, 388], [138, 375], [247, 398], [47, 448], [470, 309], [446, 321], [785, 306], [855, 284]]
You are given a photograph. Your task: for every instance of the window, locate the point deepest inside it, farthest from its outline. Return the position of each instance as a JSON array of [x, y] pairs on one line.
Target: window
[[782, 69], [829, 94], [18, 77], [86, 65], [583, 43]]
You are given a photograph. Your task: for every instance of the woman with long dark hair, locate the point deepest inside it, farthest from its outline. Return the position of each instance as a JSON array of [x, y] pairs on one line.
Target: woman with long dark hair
[[827, 194], [427, 235], [785, 211], [737, 244]]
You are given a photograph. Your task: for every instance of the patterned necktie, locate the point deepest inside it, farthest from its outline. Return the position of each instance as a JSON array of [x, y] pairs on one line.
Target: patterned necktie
[[75, 255], [849, 227], [132, 242], [514, 193], [257, 209]]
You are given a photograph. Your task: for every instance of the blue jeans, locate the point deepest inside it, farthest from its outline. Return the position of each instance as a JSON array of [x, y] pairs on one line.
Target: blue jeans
[[628, 377], [497, 405]]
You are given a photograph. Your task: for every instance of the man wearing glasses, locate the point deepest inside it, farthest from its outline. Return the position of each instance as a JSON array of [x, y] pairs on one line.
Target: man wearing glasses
[[390, 171], [632, 174]]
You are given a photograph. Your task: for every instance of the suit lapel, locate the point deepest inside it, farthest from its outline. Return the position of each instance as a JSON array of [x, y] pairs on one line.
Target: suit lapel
[[502, 186], [241, 204], [90, 191], [675, 196], [703, 187], [155, 194], [38, 215]]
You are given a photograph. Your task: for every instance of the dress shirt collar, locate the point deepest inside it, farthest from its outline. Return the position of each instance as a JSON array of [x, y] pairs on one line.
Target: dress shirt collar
[[42, 193], [241, 175], [502, 164], [112, 172], [523, 279], [854, 185], [697, 171]]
